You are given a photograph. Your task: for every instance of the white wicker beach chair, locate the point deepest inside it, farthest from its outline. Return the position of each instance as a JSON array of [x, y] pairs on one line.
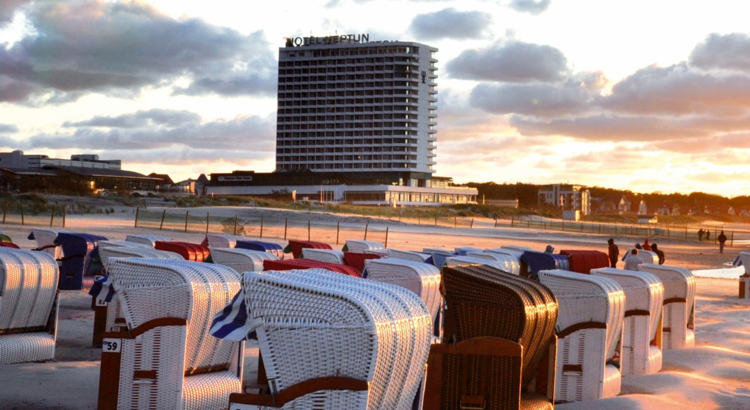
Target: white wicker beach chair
[[589, 331], [679, 304], [470, 260], [745, 259], [166, 358], [510, 262], [323, 255], [363, 331], [241, 260], [45, 241], [421, 278], [364, 246], [108, 316], [642, 329], [120, 244], [408, 255], [147, 239], [28, 312], [648, 256], [220, 240]]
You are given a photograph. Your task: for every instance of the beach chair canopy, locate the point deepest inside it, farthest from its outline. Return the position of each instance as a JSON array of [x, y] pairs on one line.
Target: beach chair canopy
[[189, 251], [582, 261], [295, 246], [289, 264], [357, 259], [353, 245], [241, 260], [323, 255], [535, 261], [78, 249], [269, 247], [147, 239]]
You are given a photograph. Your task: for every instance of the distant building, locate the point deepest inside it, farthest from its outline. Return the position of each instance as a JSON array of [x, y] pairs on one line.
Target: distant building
[[675, 209], [642, 208], [567, 197], [624, 206], [663, 210], [730, 211]]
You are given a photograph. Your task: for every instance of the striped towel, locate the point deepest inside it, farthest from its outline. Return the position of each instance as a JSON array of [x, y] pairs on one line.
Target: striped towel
[[102, 290], [737, 261], [232, 323]]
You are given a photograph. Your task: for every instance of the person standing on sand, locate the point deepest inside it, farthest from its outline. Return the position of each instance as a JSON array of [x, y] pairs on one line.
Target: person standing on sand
[[708, 235], [658, 252], [633, 261], [646, 246], [613, 252], [722, 238], [700, 235]]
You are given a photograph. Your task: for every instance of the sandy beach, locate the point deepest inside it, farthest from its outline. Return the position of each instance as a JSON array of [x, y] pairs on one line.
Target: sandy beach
[[715, 374]]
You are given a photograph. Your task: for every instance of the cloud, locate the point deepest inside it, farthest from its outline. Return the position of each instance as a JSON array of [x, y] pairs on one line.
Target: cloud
[[714, 143], [137, 132], [730, 51], [8, 128], [512, 61], [8, 8], [530, 6], [96, 46], [538, 99], [452, 24], [150, 118], [678, 89]]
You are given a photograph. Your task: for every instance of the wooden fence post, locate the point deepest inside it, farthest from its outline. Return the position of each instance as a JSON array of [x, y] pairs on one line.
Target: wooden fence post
[[65, 212], [235, 224], [286, 225], [455, 221], [472, 224], [366, 226], [388, 227], [5, 211], [52, 217], [208, 218], [731, 241], [308, 229], [187, 215], [436, 220], [163, 215], [137, 212], [261, 227], [338, 229], [22, 216]]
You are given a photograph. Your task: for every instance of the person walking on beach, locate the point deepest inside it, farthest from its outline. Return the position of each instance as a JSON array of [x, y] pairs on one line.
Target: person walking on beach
[[722, 238], [658, 252], [613, 252], [633, 261], [708, 235], [700, 235]]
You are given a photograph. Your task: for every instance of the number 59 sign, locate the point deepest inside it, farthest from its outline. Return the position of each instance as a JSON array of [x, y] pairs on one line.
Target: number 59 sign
[[111, 345]]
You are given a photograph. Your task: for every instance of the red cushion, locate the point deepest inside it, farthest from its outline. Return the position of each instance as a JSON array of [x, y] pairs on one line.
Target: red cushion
[[289, 264], [297, 246], [583, 261], [357, 259]]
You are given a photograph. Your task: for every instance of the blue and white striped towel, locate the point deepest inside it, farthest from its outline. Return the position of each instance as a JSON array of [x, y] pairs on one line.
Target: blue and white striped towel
[[232, 322], [737, 261], [102, 290]]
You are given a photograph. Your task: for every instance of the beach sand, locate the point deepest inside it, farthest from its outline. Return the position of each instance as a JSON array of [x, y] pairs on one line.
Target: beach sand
[[715, 374]]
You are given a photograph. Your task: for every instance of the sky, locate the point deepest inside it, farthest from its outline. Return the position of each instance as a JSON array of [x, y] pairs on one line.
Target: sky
[[648, 96]]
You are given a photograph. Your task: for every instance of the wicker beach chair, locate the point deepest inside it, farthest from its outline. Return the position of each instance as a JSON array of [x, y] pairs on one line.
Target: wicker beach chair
[[510, 262], [499, 343], [413, 256], [463, 250], [589, 331], [648, 256], [421, 278], [642, 329], [583, 261], [166, 358], [28, 312], [108, 315], [297, 246], [353, 245], [323, 255], [470, 260], [291, 264], [357, 259], [45, 241], [241, 260], [532, 262], [270, 247], [364, 332], [149, 240], [439, 255], [121, 244], [189, 251], [77, 248], [220, 240], [679, 304]]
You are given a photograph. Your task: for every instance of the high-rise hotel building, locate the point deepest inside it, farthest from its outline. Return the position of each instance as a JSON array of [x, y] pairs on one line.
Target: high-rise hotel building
[[353, 106], [356, 122]]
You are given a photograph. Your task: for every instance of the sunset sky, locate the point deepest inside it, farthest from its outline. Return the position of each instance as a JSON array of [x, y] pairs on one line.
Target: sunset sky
[[640, 95]]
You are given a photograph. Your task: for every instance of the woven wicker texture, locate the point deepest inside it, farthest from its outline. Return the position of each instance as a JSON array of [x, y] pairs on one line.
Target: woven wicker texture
[[484, 301], [583, 261], [418, 277], [290, 264], [241, 260], [297, 246], [363, 246], [644, 292], [189, 251], [120, 244], [679, 308], [149, 289], [509, 262], [408, 255], [323, 255], [584, 353], [45, 240], [28, 288], [317, 323], [219, 240], [147, 239]]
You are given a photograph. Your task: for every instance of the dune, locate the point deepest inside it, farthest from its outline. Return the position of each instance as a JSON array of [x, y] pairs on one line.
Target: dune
[[715, 374]]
